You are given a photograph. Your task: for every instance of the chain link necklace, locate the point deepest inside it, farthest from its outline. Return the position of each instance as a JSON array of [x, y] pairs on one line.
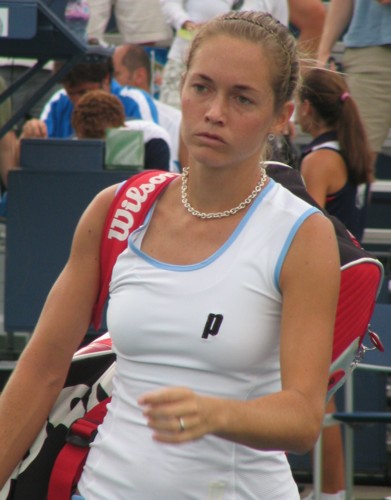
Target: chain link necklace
[[226, 213]]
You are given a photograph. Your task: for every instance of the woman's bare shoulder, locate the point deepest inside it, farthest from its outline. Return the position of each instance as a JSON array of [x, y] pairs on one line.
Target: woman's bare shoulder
[[91, 223]]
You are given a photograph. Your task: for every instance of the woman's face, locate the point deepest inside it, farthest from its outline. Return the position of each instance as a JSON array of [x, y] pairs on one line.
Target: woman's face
[[228, 102]]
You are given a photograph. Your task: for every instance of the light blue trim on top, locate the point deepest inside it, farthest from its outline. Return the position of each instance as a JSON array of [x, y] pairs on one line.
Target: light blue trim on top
[[213, 257], [119, 187], [287, 244]]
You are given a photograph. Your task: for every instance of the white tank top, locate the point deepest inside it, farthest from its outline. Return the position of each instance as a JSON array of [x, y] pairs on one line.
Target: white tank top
[[213, 327]]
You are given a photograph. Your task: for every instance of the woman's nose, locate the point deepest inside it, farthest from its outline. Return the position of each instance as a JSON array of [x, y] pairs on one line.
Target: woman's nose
[[217, 110]]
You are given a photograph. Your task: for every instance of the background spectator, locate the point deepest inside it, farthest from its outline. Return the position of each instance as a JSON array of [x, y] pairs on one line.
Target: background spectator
[[97, 111], [138, 21], [132, 67], [336, 164], [92, 74], [366, 61], [184, 16], [308, 16]]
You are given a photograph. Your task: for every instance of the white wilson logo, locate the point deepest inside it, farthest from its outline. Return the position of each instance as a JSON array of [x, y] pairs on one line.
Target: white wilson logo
[[123, 220]]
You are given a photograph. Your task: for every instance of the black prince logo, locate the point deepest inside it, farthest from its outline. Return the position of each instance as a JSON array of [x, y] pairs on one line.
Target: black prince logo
[[212, 325]]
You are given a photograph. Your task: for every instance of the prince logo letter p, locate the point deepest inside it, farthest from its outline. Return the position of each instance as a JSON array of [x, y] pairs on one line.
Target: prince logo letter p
[[212, 325]]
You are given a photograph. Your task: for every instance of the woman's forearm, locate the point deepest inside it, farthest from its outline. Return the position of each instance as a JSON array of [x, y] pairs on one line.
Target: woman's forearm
[[26, 402], [287, 420], [338, 17]]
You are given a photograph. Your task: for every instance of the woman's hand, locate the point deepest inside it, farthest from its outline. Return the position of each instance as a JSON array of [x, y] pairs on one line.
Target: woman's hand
[[177, 414]]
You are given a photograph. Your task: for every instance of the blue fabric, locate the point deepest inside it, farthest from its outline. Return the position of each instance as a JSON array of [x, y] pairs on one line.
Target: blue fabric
[[370, 25], [77, 497], [57, 114], [142, 100], [3, 204]]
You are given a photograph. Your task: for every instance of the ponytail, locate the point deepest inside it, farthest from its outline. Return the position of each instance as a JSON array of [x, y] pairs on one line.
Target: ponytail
[[328, 94]]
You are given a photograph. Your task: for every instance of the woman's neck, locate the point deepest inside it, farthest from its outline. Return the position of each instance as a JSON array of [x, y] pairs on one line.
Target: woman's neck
[[217, 191], [318, 130]]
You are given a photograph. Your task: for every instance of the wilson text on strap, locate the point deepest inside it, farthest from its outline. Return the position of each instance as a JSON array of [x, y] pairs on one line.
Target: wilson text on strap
[[126, 213]]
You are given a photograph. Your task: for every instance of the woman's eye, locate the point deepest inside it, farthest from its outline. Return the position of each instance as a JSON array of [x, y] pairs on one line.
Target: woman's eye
[[244, 100], [199, 88]]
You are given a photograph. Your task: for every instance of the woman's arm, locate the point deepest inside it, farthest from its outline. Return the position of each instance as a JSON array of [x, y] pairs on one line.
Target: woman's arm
[[309, 17], [42, 368], [290, 419], [339, 14]]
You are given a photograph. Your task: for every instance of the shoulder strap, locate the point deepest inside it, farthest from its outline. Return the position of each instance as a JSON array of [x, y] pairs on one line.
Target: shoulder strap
[[70, 461], [128, 210], [334, 145]]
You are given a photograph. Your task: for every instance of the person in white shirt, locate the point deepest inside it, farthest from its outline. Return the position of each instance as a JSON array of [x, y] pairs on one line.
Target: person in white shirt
[[138, 21], [221, 309], [184, 16]]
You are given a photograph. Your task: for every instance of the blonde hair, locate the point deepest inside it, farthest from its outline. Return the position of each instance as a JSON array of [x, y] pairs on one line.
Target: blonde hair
[[258, 27]]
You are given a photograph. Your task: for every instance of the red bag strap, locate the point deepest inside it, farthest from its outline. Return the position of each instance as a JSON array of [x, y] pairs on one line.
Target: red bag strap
[[70, 461], [128, 210], [126, 213]]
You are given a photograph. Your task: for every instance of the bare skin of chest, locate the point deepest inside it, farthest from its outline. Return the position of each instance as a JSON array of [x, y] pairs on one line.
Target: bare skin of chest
[[174, 236]]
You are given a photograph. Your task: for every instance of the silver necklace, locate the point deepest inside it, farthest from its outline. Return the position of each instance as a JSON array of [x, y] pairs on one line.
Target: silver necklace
[[226, 213]]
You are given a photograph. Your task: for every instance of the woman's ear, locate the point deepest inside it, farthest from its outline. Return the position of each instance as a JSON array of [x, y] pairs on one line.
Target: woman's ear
[[281, 121], [305, 107]]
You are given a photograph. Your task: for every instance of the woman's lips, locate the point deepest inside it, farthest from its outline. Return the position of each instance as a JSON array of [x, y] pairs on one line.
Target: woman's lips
[[210, 137]]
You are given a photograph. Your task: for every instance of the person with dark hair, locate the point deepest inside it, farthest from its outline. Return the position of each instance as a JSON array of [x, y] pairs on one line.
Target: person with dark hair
[[132, 67], [98, 110], [336, 170], [222, 305], [94, 73], [336, 164]]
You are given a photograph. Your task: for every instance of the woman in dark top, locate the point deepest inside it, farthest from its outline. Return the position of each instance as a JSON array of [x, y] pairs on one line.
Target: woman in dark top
[[336, 164]]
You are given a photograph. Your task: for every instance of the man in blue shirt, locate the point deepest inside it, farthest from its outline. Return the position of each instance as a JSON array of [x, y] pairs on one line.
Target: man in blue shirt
[[55, 120]]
